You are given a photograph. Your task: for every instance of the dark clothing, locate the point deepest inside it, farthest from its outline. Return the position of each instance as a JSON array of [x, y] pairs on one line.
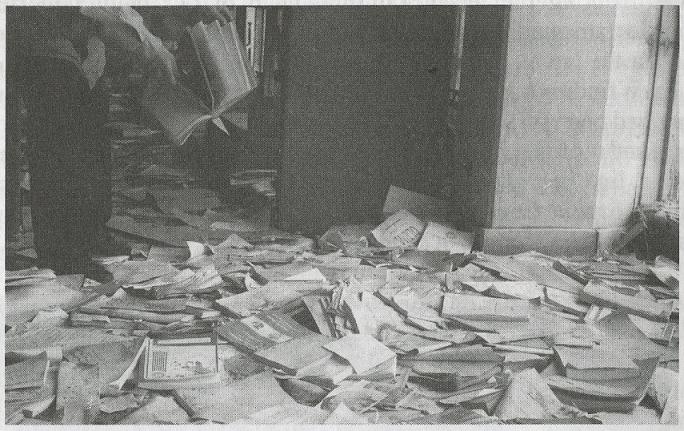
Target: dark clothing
[[69, 162], [13, 216]]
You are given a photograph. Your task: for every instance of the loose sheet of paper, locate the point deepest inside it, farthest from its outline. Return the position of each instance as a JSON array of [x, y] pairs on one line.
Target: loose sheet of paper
[[402, 229], [439, 237], [484, 308], [362, 351]]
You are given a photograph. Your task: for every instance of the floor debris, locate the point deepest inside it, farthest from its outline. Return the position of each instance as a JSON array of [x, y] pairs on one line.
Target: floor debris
[[401, 323]]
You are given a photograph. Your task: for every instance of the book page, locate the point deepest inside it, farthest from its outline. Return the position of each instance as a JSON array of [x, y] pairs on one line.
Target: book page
[[439, 237], [508, 289], [628, 388], [161, 409], [228, 403], [115, 359], [178, 111], [292, 355], [484, 308], [20, 400], [199, 39], [423, 206], [27, 301], [254, 301], [29, 373], [288, 413], [237, 77], [362, 351], [250, 73], [27, 277], [233, 43], [39, 338], [600, 294], [78, 393], [223, 71], [529, 397], [402, 229], [228, 65], [218, 122]]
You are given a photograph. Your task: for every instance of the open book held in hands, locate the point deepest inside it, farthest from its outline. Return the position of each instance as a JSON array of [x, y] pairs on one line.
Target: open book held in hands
[[227, 76]]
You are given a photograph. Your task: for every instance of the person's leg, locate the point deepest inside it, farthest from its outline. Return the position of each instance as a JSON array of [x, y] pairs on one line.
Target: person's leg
[[56, 103], [79, 231], [95, 177], [12, 137], [220, 157], [48, 214]]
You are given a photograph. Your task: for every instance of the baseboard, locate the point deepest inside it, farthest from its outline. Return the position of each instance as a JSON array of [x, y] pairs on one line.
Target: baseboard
[[551, 241]]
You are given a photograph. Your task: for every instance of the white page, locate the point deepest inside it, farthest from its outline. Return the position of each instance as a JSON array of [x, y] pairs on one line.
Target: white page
[[518, 289], [176, 108], [484, 308], [362, 351], [225, 64], [236, 50], [424, 206], [439, 237], [402, 229]]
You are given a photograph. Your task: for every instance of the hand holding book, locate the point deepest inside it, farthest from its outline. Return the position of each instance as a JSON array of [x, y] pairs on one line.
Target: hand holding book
[[226, 77], [220, 55], [124, 27]]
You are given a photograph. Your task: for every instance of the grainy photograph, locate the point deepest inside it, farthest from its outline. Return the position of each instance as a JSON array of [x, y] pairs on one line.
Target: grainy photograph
[[319, 214]]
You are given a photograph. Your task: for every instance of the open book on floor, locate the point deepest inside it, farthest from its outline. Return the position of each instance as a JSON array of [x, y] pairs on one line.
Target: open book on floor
[[227, 77], [179, 362]]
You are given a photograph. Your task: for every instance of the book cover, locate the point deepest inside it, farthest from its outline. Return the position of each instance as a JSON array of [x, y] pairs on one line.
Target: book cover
[[186, 362], [261, 331]]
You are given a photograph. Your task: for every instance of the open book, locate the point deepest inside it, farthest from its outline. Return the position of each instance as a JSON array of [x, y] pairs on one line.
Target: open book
[[179, 363], [227, 77]]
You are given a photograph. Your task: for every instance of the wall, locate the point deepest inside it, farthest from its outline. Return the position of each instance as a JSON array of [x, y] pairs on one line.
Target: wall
[[265, 112], [365, 94], [578, 106], [564, 113], [554, 122], [557, 71], [625, 130]]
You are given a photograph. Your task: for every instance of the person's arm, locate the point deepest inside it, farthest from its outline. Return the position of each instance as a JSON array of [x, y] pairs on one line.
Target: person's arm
[[125, 28]]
